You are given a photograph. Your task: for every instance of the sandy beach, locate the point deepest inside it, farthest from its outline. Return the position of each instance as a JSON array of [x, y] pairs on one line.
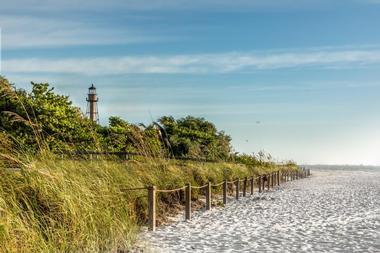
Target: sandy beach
[[332, 211]]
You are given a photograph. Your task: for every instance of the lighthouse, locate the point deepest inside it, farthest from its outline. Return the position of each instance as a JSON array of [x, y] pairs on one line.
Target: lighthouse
[[92, 104]]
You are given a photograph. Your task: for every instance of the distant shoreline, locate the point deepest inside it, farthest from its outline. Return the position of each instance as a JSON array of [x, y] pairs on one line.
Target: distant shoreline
[[343, 167]]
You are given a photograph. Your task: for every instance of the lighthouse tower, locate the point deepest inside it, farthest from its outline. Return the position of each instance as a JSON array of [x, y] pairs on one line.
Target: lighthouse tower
[[92, 104]]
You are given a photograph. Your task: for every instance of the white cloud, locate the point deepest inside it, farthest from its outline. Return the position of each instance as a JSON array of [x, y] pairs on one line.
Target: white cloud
[[28, 31], [198, 63], [58, 5], [148, 5]]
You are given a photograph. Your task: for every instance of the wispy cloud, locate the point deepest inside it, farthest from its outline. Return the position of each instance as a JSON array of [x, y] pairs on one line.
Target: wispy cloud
[[30, 32], [167, 5], [57, 5], [197, 63]]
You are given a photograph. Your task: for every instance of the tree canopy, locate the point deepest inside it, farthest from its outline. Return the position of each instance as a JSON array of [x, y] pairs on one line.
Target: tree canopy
[[42, 118]]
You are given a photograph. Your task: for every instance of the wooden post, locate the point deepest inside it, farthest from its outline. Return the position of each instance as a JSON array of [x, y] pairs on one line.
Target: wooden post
[[225, 192], [272, 180], [208, 196], [245, 186], [277, 176], [252, 184], [260, 183], [152, 207], [268, 182], [188, 202], [237, 188]]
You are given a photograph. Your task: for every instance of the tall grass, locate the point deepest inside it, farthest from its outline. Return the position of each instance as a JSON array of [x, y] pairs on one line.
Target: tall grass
[[55, 205]]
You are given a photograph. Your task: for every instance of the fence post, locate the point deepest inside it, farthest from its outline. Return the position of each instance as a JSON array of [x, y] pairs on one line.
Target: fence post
[[252, 184], [208, 196], [188, 202], [225, 192], [276, 178], [260, 182], [268, 182], [237, 188], [245, 186], [152, 207], [272, 180]]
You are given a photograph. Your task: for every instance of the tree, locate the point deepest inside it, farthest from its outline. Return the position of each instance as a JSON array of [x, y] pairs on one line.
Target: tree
[[196, 137], [44, 117]]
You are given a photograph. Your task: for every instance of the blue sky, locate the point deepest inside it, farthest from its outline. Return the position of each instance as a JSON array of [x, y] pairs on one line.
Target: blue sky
[[299, 79]]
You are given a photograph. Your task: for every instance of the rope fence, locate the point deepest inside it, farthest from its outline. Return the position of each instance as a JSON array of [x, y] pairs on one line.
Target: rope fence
[[268, 180], [172, 190]]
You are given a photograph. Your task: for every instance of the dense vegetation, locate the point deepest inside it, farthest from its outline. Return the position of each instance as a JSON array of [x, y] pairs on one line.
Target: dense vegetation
[[42, 117], [50, 204]]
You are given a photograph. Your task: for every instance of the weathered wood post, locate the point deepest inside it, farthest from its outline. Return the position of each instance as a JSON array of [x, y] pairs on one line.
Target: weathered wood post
[[208, 196], [237, 188], [225, 192], [260, 183], [268, 182], [152, 207], [245, 186], [277, 178], [188, 202], [252, 184], [272, 180]]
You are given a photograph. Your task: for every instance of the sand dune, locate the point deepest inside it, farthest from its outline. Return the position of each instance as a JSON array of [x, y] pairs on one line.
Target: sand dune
[[333, 211]]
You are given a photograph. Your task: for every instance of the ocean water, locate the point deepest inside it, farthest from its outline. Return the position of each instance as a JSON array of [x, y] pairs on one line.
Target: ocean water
[[343, 167]]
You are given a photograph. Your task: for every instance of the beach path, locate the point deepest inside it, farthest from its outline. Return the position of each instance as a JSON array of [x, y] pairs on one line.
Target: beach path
[[332, 211]]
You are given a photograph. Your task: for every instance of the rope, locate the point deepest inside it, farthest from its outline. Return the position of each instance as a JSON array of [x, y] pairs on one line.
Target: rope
[[216, 185], [135, 189], [173, 190], [199, 187]]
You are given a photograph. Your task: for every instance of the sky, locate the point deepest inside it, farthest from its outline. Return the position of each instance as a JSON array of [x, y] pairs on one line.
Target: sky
[[299, 79]]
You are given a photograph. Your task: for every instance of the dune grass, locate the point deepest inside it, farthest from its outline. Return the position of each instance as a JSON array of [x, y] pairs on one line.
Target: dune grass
[[55, 205]]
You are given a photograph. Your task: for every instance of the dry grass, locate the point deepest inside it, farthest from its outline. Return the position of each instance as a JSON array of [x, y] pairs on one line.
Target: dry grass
[[55, 205]]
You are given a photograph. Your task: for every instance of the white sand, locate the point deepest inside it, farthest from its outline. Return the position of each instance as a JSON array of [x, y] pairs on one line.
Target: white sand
[[333, 211]]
